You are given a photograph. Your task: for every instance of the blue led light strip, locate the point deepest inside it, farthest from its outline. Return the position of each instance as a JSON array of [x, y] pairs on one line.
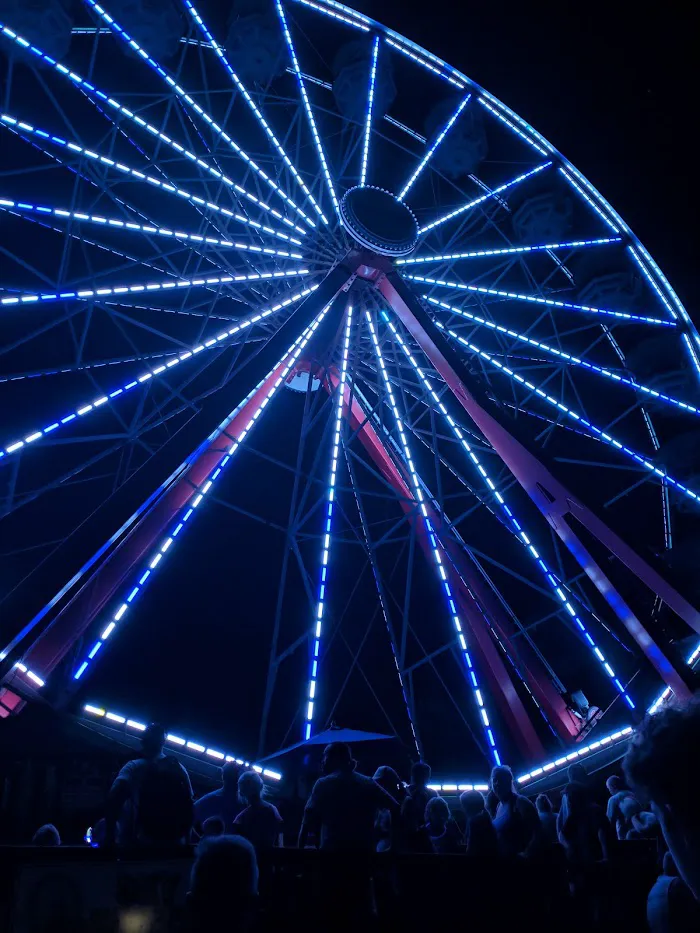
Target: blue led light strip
[[514, 128], [133, 173], [177, 741], [338, 16], [484, 197], [425, 64], [602, 214], [429, 154], [183, 95], [570, 413], [130, 226], [326, 550], [535, 299], [575, 755], [137, 585], [150, 287], [568, 357], [307, 106], [253, 106], [149, 373], [520, 532], [507, 251], [370, 107], [436, 547]]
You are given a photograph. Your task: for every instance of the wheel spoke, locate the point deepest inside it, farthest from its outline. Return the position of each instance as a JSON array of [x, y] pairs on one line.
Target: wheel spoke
[[147, 374], [524, 537], [436, 548], [574, 416], [458, 211], [138, 583], [328, 528], [567, 357], [429, 154], [538, 300], [370, 107], [307, 106]]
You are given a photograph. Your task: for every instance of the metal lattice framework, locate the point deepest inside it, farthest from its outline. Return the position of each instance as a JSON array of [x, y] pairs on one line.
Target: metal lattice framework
[[483, 426]]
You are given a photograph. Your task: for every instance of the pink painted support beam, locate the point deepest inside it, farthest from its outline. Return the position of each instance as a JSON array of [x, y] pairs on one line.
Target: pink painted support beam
[[480, 640], [531, 667], [74, 619], [551, 497]]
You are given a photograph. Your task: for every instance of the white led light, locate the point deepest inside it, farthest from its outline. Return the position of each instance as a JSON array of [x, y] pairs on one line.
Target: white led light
[[512, 520], [307, 107], [429, 154], [237, 328], [435, 546], [484, 197], [285, 366], [561, 354], [370, 107], [330, 504]]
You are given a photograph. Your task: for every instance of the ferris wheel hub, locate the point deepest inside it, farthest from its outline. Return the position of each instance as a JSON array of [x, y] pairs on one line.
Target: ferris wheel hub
[[377, 220]]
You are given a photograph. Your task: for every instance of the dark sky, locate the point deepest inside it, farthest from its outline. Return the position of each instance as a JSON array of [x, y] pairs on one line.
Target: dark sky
[[614, 90]]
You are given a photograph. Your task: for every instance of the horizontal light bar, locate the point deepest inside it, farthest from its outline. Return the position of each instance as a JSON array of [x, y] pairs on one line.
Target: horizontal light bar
[[99, 712], [568, 357], [24, 127], [86, 407], [149, 287], [535, 299], [458, 788], [575, 755], [507, 251], [131, 227]]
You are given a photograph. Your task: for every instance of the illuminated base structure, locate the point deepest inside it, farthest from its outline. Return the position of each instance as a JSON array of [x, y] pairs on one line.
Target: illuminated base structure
[[504, 464]]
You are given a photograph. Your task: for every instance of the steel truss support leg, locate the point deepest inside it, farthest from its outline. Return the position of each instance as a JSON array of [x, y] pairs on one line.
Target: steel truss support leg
[[510, 705], [551, 497], [95, 569]]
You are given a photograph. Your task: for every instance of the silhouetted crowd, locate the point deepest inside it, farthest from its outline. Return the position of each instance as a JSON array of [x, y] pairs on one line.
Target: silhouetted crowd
[[380, 841]]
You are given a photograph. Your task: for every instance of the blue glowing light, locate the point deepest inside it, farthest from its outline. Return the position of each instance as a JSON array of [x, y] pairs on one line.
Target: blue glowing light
[[400, 47], [24, 299], [458, 211], [341, 17], [326, 548], [429, 154], [131, 227], [523, 537], [508, 251], [253, 106], [24, 127], [138, 582], [569, 357], [570, 413], [86, 407], [183, 95], [100, 712], [370, 107], [435, 546], [537, 300], [307, 106]]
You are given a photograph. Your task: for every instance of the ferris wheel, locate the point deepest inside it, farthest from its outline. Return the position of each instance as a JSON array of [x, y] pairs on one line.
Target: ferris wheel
[[279, 272]]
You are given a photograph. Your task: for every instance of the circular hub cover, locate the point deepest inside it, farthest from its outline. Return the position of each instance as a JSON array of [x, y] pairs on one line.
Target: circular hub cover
[[378, 220]]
